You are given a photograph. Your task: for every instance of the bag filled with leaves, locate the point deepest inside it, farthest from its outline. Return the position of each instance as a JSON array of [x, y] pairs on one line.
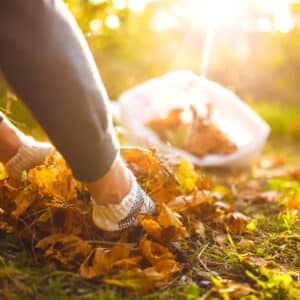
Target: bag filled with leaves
[[187, 115]]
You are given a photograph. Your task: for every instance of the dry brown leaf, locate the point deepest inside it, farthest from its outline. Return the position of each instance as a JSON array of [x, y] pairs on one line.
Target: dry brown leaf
[[167, 217], [54, 179], [198, 228], [295, 174], [4, 225], [167, 266], [144, 280], [293, 202], [246, 244], [165, 227], [236, 222], [152, 173], [23, 201], [94, 265], [102, 261], [151, 226], [154, 252], [8, 192], [162, 271], [234, 290], [198, 136], [171, 224], [69, 250], [188, 203], [126, 264], [221, 238]]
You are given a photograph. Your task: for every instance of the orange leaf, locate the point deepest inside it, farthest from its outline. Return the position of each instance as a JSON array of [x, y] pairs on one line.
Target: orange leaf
[[170, 221], [236, 222], [151, 226], [154, 252], [54, 179], [69, 250], [102, 261], [167, 266], [94, 265], [23, 201]]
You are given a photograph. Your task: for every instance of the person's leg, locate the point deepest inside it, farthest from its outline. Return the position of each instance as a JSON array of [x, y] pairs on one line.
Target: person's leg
[[46, 59], [11, 140], [19, 152], [114, 208]]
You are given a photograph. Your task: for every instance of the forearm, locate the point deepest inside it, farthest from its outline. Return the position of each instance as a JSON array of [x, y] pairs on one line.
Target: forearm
[[47, 61]]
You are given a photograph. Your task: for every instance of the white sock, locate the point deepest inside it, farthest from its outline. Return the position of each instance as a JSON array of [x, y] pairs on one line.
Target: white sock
[[30, 154], [114, 217]]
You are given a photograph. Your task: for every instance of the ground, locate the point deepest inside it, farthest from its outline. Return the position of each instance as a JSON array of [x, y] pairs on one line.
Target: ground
[[259, 262]]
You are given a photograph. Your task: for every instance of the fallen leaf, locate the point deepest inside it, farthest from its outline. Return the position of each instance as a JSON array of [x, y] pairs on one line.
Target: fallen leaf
[[170, 222], [236, 222], [151, 226], [54, 179], [103, 262], [154, 252], [198, 228], [186, 176], [23, 201], [69, 250]]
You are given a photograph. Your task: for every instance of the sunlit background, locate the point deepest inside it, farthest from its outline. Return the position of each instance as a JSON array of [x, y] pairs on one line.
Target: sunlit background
[[249, 46], [250, 15]]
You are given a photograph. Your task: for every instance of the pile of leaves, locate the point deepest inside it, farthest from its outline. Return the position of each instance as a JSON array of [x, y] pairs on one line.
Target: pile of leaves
[[188, 130], [51, 213], [198, 239]]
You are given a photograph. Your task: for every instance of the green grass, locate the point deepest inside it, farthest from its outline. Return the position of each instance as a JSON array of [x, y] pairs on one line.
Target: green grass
[[283, 119], [284, 140]]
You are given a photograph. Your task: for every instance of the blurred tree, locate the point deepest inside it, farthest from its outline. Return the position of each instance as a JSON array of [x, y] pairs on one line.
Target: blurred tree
[[126, 48], [295, 9]]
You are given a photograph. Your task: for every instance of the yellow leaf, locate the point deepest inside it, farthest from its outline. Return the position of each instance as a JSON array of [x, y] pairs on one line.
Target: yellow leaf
[[221, 190], [170, 222], [151, 226], [54, 179], [186, 176], [167, 217], [167, 266], [103, 262], [23, 201]]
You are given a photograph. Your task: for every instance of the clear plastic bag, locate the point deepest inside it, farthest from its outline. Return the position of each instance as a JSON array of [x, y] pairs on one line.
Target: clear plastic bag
[[156, 97]]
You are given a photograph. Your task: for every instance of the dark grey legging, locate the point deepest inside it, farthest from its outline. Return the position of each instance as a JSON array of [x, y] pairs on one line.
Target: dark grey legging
[[46, 60]]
